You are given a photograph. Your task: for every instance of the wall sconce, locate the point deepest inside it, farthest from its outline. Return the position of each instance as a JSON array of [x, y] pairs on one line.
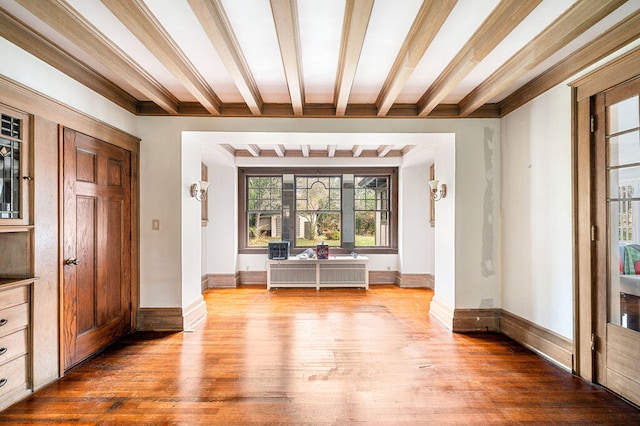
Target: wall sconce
[[438, 190], [199, 190]]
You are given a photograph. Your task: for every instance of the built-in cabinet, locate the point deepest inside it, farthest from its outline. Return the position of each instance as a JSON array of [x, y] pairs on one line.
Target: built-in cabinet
[[15, 340], [16, 258]]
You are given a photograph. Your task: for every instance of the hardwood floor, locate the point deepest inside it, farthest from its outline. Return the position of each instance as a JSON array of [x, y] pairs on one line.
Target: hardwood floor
[[331, 357]]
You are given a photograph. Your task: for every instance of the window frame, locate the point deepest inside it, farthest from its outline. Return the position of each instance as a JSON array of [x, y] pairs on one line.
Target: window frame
[[390, 172]]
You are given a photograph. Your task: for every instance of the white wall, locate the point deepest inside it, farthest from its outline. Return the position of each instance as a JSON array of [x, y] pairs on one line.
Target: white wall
[[190, 219], [416, 237], [222, 230], [477, 209], [161, 194], [537, 257], [445, 229]]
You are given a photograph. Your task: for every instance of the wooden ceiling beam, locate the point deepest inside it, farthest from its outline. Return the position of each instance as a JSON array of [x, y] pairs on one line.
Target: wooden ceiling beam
[[285, 17], [575, 21], [356, 151], [216, 25], [506, 16], [430, 17], [305, 150], [65, 20], [280, 151], [621, 34], [354, 28], [254, 150], [137, 17], [331, 151], [383, 150], [31, 41]]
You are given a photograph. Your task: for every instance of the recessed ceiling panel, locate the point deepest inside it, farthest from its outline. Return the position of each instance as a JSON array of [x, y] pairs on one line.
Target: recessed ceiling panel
[[252, 22], [464, 20], [320, 35], [176, 16], [388, 27]]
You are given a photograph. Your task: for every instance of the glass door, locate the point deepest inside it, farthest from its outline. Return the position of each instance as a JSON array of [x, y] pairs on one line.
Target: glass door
[[621, 312]]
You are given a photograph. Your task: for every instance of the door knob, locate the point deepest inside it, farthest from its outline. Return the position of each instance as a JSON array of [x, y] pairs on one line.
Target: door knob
[[71, 261]]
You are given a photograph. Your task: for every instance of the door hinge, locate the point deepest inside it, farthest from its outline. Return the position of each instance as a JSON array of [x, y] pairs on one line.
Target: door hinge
[[592, 123], [593, 342], [594, 233]]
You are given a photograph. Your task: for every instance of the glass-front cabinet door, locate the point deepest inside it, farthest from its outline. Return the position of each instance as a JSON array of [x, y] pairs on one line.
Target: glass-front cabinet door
[[14, 168]]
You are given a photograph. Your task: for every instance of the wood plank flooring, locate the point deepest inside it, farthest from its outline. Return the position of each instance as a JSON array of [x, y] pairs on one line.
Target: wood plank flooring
[[333, 357]]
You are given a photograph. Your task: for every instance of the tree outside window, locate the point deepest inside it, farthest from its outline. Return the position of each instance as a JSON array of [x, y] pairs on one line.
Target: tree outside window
[[264, 208], [318, 210]]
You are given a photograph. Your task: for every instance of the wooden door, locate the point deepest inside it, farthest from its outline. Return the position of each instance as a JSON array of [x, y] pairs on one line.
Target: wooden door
[[617, 216], [97, 245]]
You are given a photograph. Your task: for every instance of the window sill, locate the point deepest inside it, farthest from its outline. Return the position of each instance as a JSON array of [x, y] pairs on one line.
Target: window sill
[[332, 250]]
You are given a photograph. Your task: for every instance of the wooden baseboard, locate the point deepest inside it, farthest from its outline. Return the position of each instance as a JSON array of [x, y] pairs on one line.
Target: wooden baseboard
[[470, 320], [171, 319], [382, 277], [414, 280], [551, 345], [159, 319], [222, 280], [441, 312], [253, 277], [204, 282]]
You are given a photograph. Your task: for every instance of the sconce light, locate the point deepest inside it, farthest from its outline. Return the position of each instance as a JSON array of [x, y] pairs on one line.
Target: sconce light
[[199, 190], [438, 190]]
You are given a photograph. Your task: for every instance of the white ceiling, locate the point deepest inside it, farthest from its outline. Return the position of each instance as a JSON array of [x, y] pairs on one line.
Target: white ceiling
[[298, 58]]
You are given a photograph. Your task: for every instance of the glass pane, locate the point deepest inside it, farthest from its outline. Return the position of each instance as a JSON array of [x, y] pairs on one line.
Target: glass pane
[[312, 228], [371, 193], [372, 229], [264, 193], [623, 116], [624, 149], [263, 228], [623, 182], [624, 279], [10, 174]]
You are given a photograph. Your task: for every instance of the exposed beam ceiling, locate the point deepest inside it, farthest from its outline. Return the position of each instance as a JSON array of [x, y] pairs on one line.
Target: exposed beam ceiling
[[422, 59]]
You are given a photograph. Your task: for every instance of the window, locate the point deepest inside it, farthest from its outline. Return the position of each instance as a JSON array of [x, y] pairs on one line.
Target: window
[[350, 209], [371, 211], [318, 210], [264, 210]]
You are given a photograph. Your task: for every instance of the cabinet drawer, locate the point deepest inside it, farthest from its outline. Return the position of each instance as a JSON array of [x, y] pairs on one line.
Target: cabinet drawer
[[13, 376], [15, 296], [13, 345], [14, 318]]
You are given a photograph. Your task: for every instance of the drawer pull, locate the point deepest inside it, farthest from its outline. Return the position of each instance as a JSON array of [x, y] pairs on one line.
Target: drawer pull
[[3, 382], [3, 321], [3, 351]]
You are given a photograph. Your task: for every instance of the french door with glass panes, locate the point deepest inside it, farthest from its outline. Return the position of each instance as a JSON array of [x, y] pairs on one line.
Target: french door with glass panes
[[617, 192]]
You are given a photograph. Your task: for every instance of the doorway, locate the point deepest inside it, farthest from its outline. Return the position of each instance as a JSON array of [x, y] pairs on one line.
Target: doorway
[[97, 236]]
